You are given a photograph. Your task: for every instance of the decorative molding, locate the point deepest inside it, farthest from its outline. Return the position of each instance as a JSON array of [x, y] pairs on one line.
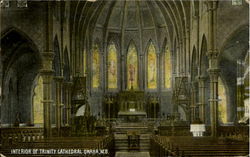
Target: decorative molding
[[22, 3], [4, 3]]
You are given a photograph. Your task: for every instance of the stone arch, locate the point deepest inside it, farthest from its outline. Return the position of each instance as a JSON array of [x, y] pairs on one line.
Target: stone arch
[[194, 74], [57, 59], [21, 64], [194, 67], [195, 7], [231, 54], [66, 69], [203, 61], [203, 75], [115, 40]]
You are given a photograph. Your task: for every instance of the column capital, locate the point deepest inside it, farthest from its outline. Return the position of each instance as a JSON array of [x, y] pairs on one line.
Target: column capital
[[213, 74], [212, 54], [213, 70], [47, 58], [58, 78], [201, 78], [212, 5], [46, 72], [49, 55], [68, 84]]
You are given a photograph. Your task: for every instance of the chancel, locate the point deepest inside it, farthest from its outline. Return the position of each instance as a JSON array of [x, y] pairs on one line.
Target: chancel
[[124, 78]]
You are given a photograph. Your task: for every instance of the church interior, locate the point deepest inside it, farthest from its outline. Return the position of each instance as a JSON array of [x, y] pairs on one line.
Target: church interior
[[124, 78]]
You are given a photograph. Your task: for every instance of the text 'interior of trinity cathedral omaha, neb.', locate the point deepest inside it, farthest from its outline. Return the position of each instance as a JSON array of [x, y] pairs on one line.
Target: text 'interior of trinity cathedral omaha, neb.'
[[124, 78]]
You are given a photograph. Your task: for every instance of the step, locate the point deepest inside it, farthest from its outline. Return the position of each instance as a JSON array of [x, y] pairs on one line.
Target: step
[[132, 154]]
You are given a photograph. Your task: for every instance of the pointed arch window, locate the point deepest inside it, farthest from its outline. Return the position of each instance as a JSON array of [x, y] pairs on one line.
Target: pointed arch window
[[37, 102], [112, 66], [96, 67], [168, 68], [152, 67], [222, 107], [132, 67]]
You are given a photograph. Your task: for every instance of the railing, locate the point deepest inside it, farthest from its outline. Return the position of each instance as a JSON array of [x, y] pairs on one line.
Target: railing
[[27, 134], [240, 133]]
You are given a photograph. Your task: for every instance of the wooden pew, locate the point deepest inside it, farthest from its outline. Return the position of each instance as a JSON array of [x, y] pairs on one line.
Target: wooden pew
[[189, 146]]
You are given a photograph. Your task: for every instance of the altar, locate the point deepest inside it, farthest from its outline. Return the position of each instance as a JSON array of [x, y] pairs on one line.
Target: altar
[[131, 105]]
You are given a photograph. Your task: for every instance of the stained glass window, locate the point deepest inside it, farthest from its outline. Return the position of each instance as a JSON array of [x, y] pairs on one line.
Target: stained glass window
[[37, 102], [112, 66], [152, 67], [222, 105], [96, 67], [168, 68], [132, 67]]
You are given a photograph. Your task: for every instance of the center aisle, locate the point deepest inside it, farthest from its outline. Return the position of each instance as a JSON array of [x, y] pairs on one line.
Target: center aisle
[[132, 154]]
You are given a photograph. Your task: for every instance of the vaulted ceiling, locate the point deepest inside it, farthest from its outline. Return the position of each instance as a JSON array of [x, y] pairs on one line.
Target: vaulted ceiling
[[129, 15]]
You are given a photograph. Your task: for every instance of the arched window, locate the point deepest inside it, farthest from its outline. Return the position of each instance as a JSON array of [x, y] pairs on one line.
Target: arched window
[[112, 67], [96, 67], [37, 102], [152, 67], [222, 106], [132, 67], [168, 68]]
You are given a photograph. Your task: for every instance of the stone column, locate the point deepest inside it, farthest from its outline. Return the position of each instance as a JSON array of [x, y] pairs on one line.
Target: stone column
[[158, 76], [213, 65], [68, 86], [69, 106], [141, 75], [47, 76], [213, 100], [181, 59], [177, 61], [193, 102], [202, 98], [58, 82], [1, 92], [123, 73]]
